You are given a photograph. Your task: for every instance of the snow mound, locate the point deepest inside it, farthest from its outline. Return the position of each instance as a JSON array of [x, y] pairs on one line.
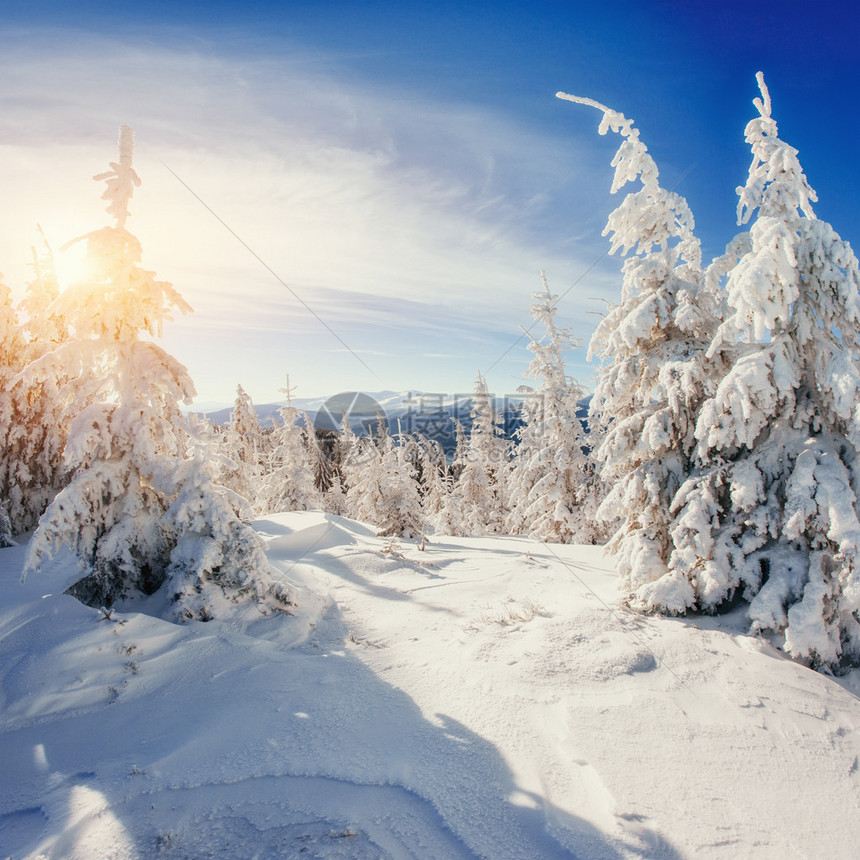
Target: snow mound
[[593, 648], [295, 534], [477, 698]]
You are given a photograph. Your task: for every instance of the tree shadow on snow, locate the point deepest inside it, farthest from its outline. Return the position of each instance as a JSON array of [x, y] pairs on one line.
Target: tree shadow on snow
[[368, 584], [264, 752]]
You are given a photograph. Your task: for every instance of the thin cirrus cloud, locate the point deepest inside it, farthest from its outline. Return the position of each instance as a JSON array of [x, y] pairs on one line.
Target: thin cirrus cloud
[[272, 186]]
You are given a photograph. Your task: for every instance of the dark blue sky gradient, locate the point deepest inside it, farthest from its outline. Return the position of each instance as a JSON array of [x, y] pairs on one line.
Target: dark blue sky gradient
[[683, 70]]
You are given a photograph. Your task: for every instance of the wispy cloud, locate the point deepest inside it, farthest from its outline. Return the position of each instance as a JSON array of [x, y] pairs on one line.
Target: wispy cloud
[[398, 220]]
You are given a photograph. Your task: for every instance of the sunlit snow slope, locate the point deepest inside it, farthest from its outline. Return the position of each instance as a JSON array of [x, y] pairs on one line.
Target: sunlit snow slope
[[482, 697]]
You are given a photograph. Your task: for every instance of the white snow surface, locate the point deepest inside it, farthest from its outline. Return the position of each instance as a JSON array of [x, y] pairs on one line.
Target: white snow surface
[[484, 697]]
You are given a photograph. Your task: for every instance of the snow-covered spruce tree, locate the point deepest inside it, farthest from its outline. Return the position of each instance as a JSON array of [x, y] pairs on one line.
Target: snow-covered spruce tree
[[448, 519], [35, 443], [653, 374], [364, 494], [344, 472], [481, 491], [336, 448], [5, 526], [321, 447], [435, 485], [12, 345], [139, 512], [401, 513], [13, 356], [549, 467], [354, 458], [242, 444], [289, 483], [383, 487], [461, 445], [775, 513], [334, 499], [216, 558], [44, 328]]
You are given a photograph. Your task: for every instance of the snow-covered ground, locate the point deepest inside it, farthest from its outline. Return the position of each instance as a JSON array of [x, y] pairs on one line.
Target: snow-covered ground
[[482, 697]]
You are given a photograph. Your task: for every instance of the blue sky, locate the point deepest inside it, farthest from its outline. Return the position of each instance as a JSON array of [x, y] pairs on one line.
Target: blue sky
[[404, 168]]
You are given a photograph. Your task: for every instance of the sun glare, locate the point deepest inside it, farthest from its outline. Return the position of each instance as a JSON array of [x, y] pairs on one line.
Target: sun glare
[[71, 265]]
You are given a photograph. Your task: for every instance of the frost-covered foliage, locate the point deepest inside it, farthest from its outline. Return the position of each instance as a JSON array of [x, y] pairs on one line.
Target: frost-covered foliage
[[652, 347], [436, 485], [217, 558], [5, 526], [550, 470], [321, 445], [13, 356], [344, 469], [774, 512], [45, 329], [363, 494], [461, 446], [383, 486], [34, 469], [141, 511], [342, 454], [480, 494], [334, 498], [401, 512], [243, 446], [449, 519], [289, 482]]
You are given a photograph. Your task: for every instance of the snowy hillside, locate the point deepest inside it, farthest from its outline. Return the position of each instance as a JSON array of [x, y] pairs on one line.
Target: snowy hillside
[[483, 697]]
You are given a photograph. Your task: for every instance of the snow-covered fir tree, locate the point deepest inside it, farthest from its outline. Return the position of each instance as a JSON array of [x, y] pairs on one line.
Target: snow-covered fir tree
[[383, 485], [461, 445], [289, 482], [436, 484], [140, 513], [12, 344], [44, 328], [481, 492], [344, 471], [5, 526], [321, 446], [243, 446], [550, 470], [13, 357], [364, 494], [334, 499], [35, 442], [448, 519], [401, 512], [217, 559], [653, 374], [774, 512]]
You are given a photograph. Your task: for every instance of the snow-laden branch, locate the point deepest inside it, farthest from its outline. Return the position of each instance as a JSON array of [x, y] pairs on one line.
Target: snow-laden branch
[[762, 104], [121, 179]]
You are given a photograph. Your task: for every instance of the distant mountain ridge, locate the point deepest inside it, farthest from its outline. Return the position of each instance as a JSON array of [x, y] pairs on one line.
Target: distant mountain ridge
[[430, 414]]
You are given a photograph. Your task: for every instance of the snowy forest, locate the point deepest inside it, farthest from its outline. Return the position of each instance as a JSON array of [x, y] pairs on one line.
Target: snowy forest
[[718, 463]]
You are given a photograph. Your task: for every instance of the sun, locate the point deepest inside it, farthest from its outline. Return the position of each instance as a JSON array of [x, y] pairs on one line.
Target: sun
[[71, 264]]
